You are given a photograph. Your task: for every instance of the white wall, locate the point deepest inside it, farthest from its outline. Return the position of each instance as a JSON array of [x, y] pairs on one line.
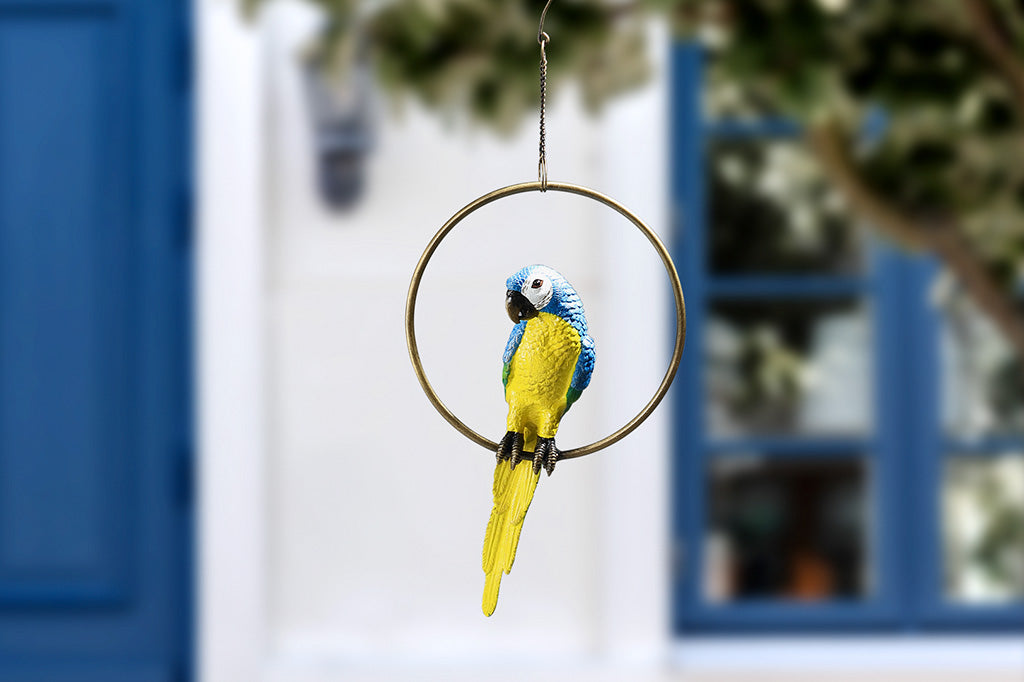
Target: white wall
[[231, 357], [377, 505]]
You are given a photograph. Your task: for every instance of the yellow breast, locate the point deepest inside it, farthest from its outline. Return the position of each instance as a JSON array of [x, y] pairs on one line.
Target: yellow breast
[[543, 365]]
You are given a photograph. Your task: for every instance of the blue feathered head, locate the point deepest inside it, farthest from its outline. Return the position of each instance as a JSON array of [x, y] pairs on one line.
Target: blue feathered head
[[538, 288]]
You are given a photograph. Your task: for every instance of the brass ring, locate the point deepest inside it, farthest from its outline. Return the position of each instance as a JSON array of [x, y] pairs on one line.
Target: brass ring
[[666, 259]]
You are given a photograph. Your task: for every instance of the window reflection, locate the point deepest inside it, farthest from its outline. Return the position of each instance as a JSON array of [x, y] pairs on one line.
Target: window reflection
[[983, 528], [773, 212], [787, 528], [781, 367], [984, 381]]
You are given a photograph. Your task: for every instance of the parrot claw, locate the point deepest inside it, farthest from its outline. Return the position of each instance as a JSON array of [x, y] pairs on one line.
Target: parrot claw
[[545, 455], [517, 450], [511, 448], [505, 446]]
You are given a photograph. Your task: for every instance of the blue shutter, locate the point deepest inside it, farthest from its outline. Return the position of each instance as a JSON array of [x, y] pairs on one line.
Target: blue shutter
[[93, 341]]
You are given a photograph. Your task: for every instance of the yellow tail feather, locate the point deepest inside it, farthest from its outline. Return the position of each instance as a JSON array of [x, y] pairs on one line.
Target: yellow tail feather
[[513, 492], [491, 585]]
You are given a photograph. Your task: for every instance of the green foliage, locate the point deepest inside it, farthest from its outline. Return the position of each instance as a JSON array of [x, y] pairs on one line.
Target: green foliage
[[953, 145], [482, 57]]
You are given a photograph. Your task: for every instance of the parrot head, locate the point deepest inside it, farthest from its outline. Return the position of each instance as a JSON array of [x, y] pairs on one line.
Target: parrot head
[[538, 288]]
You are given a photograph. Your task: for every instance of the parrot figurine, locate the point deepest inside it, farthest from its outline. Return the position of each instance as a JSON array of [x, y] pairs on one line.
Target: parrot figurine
[[547, 364]]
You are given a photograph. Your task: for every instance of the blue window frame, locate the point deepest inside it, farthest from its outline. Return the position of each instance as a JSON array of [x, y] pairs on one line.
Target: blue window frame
[[893, 459]]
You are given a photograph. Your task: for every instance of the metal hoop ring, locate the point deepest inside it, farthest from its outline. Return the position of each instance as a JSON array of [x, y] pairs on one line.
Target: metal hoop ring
[[666, 259]]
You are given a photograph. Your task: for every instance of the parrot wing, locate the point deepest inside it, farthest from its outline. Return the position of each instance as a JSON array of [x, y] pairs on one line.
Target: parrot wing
[[510, 350], [581, 375]]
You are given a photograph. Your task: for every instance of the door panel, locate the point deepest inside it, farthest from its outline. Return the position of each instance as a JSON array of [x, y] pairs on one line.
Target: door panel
[[65, 412]]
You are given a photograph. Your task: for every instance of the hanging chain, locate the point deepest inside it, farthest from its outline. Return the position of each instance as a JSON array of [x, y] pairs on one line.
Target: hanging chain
[[542, 164], [543, 39]]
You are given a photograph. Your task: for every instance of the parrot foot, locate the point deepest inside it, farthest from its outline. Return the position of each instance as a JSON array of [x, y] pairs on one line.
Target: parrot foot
[[545, 455], [511, 448]]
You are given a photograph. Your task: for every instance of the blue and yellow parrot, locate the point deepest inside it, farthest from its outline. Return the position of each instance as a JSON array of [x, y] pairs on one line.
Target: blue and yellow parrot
[[547, 363]]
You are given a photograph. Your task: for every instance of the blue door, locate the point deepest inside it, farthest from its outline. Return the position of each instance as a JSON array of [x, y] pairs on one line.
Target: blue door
[[94, 362]]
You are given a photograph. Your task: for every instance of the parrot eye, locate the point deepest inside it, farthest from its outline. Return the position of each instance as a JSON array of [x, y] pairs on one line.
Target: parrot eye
[[538, 291]]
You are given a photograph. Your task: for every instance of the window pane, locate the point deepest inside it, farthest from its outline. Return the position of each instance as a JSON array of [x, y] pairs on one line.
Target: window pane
[[783, 367], [771, 211], [789, 528], [983, 388], [983, 528], [725, 98]]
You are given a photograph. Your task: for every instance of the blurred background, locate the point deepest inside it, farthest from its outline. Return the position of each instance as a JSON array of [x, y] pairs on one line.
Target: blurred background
[[216, 462]]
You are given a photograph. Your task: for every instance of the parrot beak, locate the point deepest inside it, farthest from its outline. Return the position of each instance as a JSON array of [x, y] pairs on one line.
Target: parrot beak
[[518, 307]]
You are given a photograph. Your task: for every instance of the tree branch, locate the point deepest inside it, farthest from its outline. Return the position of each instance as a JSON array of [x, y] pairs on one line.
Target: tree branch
[[830, 148], [950, 245], [945, 241], [993, 43]]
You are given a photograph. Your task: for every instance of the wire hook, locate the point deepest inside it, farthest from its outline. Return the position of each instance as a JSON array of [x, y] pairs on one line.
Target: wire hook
[[543, 37]]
